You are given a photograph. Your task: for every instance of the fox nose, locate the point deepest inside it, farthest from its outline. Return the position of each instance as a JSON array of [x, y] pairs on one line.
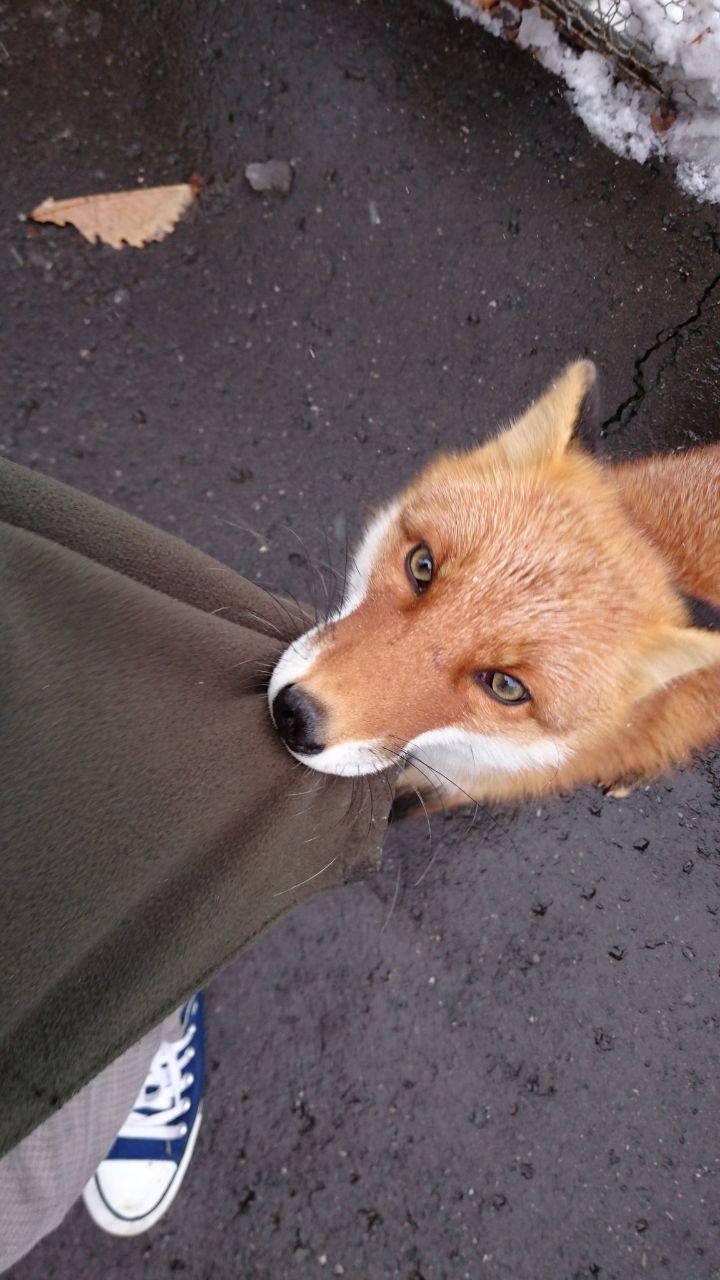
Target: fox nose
[[298, 719]]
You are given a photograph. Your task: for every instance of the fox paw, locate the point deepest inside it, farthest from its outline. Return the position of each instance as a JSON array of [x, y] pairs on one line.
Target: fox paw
[[622, 788]]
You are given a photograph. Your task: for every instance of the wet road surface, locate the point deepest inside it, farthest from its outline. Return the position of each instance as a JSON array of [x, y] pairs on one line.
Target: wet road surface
[[499, 1056]]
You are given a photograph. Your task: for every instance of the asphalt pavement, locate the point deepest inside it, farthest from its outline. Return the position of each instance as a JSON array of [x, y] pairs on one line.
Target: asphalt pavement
[[497, 1057]]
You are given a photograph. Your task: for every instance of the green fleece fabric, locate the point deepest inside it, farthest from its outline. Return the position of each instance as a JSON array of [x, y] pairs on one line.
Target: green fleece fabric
[[150, 826]]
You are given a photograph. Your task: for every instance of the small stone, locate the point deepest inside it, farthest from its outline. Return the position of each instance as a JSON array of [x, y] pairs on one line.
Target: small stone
[[641, 1225], [616, 953], [641, 845], [688, 866], [273, 176]]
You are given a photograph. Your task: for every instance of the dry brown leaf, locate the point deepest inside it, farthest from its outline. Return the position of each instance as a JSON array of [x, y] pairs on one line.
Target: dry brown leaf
[[122, 217]]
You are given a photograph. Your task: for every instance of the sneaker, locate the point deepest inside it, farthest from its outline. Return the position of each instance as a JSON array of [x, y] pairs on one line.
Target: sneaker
[[141, 1175]]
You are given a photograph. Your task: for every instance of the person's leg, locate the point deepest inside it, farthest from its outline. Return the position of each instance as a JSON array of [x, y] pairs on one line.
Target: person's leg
[[45, 1173]]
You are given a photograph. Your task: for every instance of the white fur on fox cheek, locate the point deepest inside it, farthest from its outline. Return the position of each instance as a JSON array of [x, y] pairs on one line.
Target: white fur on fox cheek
[[364, 559], [293, 663], [459, 751], [300, 655]]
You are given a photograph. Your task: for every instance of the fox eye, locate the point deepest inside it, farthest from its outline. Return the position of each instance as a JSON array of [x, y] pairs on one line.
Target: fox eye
[[420, 567], [504, 687]]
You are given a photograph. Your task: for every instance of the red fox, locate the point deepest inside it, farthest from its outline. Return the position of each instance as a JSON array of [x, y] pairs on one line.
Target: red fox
[[519, 621]]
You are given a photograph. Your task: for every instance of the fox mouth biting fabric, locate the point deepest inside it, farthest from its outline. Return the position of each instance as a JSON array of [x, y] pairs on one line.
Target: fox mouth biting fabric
[[516, 621]]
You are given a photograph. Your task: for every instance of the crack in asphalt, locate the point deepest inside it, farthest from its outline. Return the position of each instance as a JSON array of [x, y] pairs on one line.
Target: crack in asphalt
[[627, 410]]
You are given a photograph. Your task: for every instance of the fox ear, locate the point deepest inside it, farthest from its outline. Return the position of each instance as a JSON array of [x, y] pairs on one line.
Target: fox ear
[[677, 652], [546, 429]]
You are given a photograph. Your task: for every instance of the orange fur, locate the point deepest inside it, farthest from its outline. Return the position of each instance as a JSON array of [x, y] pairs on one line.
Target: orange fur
[[555, 567]]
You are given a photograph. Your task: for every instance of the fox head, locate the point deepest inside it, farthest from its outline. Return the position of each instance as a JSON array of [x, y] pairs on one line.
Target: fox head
[[504, 611]]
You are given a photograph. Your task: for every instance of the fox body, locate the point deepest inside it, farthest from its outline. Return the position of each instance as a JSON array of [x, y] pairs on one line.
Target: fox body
[[516, 621]]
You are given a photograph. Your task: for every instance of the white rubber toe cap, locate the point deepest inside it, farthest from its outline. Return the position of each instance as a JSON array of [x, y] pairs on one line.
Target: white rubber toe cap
[[127, 1197], [133, 1188]]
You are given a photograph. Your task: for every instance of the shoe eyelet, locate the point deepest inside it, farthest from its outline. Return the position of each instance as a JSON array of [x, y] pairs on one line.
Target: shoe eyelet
[[187, 1105], [188, 1080], [183, 1131]]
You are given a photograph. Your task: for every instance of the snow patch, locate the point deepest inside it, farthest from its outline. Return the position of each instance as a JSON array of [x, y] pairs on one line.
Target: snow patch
[[684, 36]]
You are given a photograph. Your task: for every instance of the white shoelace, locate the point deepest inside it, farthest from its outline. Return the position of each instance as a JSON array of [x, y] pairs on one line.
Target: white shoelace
[[160, 1104]]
